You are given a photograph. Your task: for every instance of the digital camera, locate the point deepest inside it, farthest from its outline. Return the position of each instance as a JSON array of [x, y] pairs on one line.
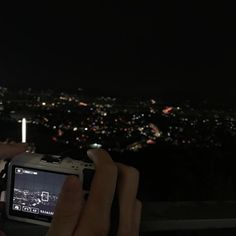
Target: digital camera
[[35, 181]]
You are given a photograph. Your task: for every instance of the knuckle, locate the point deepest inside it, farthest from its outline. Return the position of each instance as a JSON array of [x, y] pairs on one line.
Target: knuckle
[[132, 173], [103, 152], [110, 168]]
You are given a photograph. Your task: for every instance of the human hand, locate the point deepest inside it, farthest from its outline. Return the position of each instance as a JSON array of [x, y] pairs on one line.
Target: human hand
[[74, 217], [9, 150], [2, 233]]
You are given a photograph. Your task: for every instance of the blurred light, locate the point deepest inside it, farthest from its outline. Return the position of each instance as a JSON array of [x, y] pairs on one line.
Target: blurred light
[[150, 141], [95, 145], [153, 101], [167, 110], [23, 130], [83, 104], [155, 130], [54, 139], [60, 132]]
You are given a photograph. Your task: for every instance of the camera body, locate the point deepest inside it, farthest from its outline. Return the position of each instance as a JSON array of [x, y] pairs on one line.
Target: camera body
[[35, 181]]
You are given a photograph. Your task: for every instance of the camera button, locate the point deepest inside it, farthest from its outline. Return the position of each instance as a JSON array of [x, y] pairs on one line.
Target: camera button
[[88, 176], [16, 207]]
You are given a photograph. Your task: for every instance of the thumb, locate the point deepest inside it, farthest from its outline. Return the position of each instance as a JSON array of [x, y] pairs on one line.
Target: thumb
[[68, 208], [11, 149], [2, 234]]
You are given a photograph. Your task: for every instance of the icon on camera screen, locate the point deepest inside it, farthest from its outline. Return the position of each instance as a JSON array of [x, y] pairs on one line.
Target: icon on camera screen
[[45, 196], [16, 207], [18, 170], [26, 209]]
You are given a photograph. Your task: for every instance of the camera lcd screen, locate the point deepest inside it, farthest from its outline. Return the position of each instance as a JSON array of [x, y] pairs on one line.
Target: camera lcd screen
[[34, 192]]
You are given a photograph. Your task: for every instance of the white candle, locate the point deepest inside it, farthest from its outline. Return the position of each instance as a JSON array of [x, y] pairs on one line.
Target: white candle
[[23, 130]]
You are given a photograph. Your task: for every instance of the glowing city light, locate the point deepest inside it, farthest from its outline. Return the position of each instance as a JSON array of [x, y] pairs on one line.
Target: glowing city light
[[167, 110], [23, 127]]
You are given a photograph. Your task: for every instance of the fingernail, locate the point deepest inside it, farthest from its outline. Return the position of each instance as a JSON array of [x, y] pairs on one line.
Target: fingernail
[[92, 155]]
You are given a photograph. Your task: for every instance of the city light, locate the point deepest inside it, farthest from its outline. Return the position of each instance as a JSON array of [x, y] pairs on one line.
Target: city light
[[24, 130], [106, 122]]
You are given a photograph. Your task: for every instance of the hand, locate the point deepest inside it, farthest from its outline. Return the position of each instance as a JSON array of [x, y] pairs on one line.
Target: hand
[[9, 150], [74, 217], [2, 233]]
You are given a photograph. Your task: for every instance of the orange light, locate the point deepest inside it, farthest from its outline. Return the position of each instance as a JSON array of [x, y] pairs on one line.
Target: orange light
[[167, 110], [83, 104], [60, 132], [150, 141]]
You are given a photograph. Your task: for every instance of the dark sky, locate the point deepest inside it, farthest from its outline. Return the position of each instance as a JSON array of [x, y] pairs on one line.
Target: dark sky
[[178, 47]]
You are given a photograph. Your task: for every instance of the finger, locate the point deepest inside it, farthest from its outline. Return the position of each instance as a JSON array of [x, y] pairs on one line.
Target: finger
[[104, 182], [127, 187], [68, 208], [11, 149], [96, 212], [2, 233]]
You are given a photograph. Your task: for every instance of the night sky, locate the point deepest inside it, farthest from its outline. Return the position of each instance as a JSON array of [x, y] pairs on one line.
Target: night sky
[[178, 48]]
